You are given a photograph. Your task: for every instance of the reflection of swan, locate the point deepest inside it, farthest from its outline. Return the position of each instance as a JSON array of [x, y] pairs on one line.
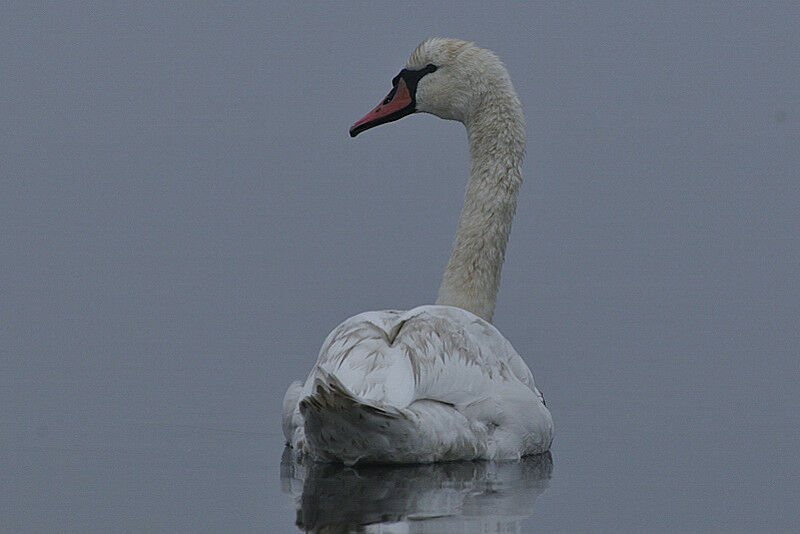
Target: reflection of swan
[[444, 497], [436, 382]]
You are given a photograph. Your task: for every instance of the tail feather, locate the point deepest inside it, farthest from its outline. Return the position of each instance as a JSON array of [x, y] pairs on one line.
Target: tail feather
[[339, 426], [331, 395]]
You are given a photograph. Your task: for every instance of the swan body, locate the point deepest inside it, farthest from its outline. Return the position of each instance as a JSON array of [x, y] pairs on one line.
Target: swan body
[[438, 382]]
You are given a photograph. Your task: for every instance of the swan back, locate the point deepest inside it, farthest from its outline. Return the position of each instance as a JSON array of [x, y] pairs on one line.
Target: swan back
[[435, 383]]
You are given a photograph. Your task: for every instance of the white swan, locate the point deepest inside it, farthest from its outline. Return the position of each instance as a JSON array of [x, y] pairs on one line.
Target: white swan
[[439, 382]]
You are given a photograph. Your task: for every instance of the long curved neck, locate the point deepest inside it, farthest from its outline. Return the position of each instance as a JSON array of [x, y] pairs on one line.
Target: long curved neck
[[496, 136]]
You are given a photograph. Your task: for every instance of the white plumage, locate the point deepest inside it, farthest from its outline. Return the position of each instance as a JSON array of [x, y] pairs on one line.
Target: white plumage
[[438, 382]]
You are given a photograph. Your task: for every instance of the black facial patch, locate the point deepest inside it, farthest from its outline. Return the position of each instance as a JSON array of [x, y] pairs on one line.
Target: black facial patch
[[412, 78]]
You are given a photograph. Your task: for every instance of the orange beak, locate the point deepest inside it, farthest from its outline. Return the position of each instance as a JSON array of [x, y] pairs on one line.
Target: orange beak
[[397, 104]]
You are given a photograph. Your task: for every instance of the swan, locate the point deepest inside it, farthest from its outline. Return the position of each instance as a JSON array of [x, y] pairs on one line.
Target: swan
[[438, 382]]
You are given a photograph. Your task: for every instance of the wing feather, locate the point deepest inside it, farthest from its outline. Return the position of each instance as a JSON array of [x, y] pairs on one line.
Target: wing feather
[[439, 353]]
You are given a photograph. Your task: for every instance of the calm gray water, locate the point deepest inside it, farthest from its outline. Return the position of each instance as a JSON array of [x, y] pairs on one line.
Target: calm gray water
[[183, 218]]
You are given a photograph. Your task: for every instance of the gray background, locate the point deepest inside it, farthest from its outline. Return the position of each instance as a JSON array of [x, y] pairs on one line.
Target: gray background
[[184, 218]]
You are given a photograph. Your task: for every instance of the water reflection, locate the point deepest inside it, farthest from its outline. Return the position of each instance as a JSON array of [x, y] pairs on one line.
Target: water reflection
[[440, 498]]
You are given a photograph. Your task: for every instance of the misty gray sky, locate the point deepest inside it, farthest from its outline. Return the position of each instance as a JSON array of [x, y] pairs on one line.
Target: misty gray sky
[[183, 218]]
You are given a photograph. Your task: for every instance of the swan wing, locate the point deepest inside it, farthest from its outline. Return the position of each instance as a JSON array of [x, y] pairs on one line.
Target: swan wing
[[391, 359]]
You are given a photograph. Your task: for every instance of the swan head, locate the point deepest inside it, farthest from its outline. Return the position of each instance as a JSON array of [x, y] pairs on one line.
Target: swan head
[[449, 78]]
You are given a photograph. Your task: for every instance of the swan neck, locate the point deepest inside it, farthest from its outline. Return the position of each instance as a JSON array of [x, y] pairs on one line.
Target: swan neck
[[496, 136]]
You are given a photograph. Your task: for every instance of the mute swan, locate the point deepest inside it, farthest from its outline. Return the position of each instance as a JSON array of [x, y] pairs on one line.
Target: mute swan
[[437, 382]]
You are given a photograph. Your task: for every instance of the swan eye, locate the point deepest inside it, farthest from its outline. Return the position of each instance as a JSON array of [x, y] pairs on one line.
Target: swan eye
[[430, 67]]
